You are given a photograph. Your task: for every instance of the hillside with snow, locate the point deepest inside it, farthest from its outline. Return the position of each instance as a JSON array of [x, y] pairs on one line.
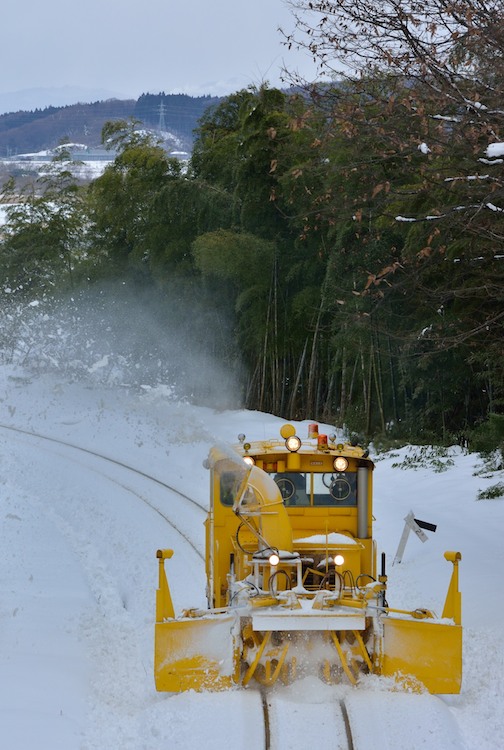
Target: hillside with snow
[[173, 117]]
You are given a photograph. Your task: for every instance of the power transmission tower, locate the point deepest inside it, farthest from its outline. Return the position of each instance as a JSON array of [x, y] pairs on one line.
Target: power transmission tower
[[162, 110]]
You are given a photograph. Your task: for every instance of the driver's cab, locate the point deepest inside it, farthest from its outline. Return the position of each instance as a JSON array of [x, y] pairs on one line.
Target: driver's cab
[[317, 489], [326, 492]]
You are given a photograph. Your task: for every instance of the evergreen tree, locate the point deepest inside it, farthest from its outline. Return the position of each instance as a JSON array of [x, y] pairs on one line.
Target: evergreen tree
[[121, 199], [44, 241]]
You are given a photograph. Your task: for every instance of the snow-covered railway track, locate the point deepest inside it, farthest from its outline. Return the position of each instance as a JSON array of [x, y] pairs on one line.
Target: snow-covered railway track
[[67, 444], [310, 713], [123, 466], [342, 717]]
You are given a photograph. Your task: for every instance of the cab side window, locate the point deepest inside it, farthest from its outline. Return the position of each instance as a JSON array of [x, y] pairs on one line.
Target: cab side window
[[227, 488]]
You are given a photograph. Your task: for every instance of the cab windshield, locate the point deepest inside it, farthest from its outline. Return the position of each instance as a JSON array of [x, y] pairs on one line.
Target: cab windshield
[[316, 489]]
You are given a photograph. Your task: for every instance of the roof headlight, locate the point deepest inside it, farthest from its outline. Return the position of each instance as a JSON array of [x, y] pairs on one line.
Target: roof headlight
[[249, 460], [340, 463], [293, 443]]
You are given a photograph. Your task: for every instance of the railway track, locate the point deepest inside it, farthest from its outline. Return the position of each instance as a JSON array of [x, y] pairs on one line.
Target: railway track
[[135, 471]]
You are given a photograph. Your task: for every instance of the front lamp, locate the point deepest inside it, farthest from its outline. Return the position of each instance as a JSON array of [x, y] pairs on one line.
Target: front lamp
[[249, 460], [274, 559], [293, 443], [340, 464]]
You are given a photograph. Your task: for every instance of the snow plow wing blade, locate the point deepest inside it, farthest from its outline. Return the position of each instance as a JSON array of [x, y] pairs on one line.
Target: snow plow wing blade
[[429, 651], [179, 663]]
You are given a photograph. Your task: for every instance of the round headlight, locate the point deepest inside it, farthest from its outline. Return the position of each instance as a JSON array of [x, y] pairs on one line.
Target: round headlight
[[293, 443], [339, 560], [249, 460], [274, 559], [340, 463]]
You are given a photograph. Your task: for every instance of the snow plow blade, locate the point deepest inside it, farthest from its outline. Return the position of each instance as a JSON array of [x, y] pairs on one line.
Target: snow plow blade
[[425, 648], [179, 663], [430, 652]]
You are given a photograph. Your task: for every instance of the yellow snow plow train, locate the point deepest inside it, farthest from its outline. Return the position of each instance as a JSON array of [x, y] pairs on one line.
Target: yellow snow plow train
[[292, 581]]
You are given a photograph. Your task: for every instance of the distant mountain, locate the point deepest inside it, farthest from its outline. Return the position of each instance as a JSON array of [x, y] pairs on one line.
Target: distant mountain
[[40, 98], [175, 116], [27, 132]]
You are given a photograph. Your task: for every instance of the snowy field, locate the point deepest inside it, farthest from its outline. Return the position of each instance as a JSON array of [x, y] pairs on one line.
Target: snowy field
[[78, 574], [87, 170]]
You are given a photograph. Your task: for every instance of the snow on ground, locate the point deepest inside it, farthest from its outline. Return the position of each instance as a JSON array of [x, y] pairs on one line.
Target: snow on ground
[[78, 574], [86, 169]]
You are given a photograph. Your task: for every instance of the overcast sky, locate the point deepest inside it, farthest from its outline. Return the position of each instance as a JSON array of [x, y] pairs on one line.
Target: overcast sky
[[129, 47]]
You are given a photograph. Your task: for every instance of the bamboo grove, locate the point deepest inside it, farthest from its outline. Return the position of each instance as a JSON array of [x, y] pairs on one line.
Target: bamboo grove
[[343, 242]]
